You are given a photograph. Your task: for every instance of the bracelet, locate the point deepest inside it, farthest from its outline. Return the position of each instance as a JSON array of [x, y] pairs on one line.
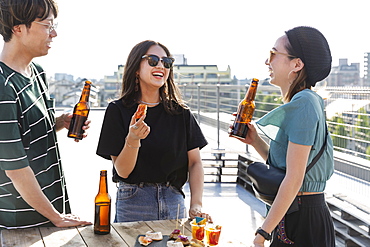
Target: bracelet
[[263, 233], [128, 144]]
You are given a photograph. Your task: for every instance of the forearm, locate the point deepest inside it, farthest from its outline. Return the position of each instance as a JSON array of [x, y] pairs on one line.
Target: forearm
[[125, 162], [196, 181], [28, 187], [261, 147], [286, 194], [279, 208], [297, 156]]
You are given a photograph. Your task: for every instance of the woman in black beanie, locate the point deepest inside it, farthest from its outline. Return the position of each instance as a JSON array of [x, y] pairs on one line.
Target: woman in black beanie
[[297, 130]]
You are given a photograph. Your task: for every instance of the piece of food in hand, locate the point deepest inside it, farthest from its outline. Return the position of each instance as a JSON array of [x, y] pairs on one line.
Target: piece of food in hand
[[172, 243], [143, 240], [196, 243], [183, 239], [157, 236], [141, 111], [175, 234]]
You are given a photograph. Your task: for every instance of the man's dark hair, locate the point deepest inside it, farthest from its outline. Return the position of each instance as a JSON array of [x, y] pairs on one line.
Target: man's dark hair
[[17, 12]]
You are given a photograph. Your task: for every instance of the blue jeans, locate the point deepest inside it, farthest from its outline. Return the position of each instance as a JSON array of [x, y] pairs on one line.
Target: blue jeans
[[148, 201]]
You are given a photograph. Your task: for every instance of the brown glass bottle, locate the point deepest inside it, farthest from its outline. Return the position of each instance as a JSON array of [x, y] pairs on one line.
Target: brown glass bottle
[[102, 206], [80, 114], [245, 112]]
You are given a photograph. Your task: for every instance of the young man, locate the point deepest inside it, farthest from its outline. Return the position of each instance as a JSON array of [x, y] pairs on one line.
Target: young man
[[32, 185]]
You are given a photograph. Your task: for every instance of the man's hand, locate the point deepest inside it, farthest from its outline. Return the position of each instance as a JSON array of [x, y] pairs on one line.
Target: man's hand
[[67, 220], [64, 120], [28, 187]]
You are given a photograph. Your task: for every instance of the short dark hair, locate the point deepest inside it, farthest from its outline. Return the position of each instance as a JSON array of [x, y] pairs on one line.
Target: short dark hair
[[17, 12], [169, 92]]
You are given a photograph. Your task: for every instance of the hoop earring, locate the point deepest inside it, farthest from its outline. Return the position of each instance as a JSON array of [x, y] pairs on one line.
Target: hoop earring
[[137, 84]]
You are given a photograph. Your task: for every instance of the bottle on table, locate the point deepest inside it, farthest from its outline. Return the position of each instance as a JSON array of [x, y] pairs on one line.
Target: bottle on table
[[80, 114], [245, 112], [102, 206]]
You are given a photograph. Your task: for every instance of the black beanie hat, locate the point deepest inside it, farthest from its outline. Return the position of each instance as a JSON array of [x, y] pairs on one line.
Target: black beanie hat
[[310, 45]]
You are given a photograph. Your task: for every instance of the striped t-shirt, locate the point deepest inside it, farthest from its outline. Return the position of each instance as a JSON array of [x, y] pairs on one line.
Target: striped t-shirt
[[28, 138]]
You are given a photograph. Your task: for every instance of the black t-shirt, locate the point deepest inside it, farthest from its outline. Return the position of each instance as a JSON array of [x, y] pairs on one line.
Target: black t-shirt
[[162, 156]]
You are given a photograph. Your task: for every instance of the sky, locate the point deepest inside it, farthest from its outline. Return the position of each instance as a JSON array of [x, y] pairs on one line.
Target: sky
[[96, 36]]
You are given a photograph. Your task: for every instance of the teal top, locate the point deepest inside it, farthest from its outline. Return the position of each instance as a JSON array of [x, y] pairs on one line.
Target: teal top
[[301, 121]]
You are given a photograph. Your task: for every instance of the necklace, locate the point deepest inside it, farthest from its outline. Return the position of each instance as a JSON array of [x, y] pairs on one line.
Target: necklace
[[149, 103]]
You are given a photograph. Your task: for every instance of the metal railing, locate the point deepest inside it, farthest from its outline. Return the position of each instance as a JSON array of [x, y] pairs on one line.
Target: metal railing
[[347, 110]]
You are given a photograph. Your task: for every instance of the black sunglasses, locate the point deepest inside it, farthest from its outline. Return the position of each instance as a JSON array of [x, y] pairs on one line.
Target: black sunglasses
[[153, 60]]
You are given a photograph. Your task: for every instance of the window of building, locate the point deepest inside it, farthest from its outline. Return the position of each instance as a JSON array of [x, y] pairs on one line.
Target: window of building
[[212, 75]]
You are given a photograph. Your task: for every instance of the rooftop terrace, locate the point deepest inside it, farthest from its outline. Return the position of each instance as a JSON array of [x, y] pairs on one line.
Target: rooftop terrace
[[225, 201]]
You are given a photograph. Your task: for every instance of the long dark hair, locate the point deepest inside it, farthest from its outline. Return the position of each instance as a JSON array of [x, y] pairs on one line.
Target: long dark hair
[[300, 82], [169, 93]]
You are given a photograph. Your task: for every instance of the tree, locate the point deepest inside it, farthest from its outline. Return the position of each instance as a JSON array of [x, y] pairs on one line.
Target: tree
[[368, 152], [266, 103], [362, 131], [363, 121], [338, 131]]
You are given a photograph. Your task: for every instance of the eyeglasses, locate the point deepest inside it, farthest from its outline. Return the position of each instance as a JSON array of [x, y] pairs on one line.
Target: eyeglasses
[[52, 27], [153, 60], [272, 53]]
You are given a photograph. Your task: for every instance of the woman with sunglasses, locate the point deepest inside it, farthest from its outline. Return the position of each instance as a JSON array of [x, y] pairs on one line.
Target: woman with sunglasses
[[154, 156], [297, 131]]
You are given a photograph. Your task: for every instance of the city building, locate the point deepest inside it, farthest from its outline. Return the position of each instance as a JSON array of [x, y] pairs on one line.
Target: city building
[[66, 91], [196, 74], [183, 74], [344, 75], [180, 59], [204, 74], [63, 77], [73, 95], [367, 69], [112, 86]]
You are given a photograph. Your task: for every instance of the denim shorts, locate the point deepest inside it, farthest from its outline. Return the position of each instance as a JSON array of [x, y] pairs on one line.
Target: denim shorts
[[148, 201]]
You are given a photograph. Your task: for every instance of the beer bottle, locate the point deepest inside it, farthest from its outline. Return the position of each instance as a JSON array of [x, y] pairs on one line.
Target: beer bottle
[[245, 112], [80, 113], [102, 206]]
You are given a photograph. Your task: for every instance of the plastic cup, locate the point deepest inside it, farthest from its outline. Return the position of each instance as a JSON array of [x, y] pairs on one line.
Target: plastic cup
[[197, 231], [212, 235]]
